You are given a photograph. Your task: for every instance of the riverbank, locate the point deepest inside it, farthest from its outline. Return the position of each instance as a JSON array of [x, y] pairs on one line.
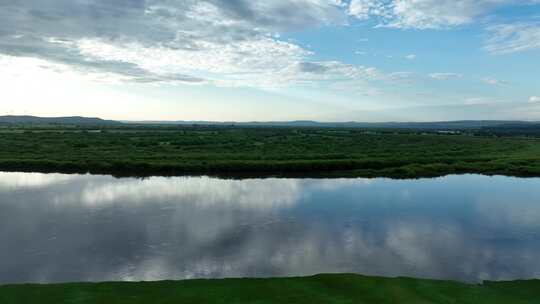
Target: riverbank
[[336, 288], [265, 152]]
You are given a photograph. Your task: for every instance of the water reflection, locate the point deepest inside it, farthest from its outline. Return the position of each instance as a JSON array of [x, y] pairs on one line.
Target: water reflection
[[57, 228]]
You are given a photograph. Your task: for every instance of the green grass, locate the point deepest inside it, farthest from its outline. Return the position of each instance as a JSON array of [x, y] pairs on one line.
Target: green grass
[[263, 151], [338, 288]]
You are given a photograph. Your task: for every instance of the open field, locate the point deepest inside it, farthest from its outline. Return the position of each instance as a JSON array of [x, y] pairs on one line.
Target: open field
[[229, 151], [345, 288]]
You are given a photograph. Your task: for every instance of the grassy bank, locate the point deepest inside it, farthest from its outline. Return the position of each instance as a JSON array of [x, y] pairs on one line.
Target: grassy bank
[[343, 288], [263, 152]]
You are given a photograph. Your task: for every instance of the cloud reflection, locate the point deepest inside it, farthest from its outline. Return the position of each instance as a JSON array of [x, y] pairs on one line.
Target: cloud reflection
[[15, 180], [57, 228]]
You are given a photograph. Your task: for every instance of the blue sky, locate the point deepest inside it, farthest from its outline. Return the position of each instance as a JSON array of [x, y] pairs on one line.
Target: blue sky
[[327, 60]]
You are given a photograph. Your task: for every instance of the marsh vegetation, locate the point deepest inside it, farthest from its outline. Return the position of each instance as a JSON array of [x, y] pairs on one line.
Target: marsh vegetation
[[264, 151]]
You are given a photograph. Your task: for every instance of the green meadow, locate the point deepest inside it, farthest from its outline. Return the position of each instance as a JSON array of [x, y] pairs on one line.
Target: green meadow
[[264, 152], [336, 288]]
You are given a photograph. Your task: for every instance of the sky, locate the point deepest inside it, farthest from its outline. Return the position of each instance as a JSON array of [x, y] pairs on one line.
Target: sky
[[271, 60]]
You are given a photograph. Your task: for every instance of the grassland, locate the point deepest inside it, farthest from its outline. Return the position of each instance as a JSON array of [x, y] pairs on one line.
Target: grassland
[[229, 151], [338, 288]]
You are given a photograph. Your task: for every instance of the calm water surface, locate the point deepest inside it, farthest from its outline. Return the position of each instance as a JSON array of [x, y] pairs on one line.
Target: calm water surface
[[58, 228]]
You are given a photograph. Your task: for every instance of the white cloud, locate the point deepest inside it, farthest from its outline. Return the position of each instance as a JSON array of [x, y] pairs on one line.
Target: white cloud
[[164, 40], [363, 9], [226, 43], [444, 76], [411, 57], [534, 99], [512, 38], [401, 76], [264, 62], [263, 57], [494, 82], [427, 14]]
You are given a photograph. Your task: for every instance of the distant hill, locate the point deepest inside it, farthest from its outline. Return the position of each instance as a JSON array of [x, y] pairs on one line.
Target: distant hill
[[73, 120], [497, 125], [445, 125]]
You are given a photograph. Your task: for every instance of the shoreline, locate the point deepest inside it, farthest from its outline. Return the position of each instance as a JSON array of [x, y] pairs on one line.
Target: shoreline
[[397, 173]]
